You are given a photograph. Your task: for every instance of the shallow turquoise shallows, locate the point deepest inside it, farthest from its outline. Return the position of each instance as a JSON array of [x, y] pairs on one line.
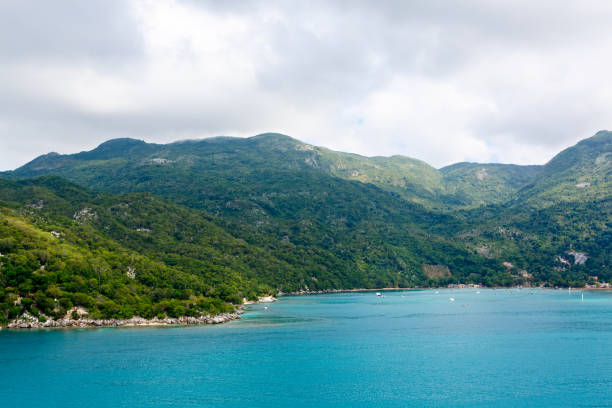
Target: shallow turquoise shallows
[[496, 348]]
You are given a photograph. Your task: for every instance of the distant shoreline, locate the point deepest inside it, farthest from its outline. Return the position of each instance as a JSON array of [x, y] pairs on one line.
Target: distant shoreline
[[327, 291]]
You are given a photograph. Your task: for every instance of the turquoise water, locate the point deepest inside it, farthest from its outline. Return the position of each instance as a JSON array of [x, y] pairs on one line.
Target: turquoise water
[[499, 348]]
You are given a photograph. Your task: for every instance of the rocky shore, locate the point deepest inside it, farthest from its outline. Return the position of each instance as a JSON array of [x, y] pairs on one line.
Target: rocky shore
[[28, 322]]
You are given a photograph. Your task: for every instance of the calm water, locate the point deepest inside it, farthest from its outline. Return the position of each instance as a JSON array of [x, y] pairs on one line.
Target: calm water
[[502, 348]]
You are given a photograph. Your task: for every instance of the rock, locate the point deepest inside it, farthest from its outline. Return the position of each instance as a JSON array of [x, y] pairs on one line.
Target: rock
[[26, 321], [267, 299]]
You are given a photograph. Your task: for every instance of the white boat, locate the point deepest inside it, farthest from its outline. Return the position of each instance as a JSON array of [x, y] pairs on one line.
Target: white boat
[[451, 299], [378, 294]]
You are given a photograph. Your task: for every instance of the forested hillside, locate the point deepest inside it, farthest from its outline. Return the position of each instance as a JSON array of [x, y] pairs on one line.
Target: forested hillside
[[50, 263], [140, 254], [131, 165], [476, 184], [580, 173], [193, 227]]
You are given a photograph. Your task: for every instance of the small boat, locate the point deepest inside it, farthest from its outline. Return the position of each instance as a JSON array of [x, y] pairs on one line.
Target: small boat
[[265, 307], [378, 294], [437, 292], [478, 292], [451, 299]]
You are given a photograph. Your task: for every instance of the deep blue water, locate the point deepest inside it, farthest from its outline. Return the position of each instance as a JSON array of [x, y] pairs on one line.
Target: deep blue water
[[499, 348]]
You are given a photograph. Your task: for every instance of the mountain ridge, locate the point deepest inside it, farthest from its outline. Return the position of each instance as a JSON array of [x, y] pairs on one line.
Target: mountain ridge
[[410, 177]]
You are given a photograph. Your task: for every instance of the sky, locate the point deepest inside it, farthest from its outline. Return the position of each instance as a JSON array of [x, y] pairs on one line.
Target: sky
[[442, 81]]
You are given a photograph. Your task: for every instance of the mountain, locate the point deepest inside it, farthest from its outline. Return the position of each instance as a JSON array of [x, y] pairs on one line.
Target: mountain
[[557, 227], [209, 222], [476, 184], [412, 179], [579, 173], [455, 186]]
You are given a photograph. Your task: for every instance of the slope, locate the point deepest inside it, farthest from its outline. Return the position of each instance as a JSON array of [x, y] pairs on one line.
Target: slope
[[475, 184], [452, 187], [579, 173]]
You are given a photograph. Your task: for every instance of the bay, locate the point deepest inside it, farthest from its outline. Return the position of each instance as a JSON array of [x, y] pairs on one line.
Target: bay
[[502, 348]]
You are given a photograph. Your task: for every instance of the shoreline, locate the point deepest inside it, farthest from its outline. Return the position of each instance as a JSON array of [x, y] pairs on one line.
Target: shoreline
[[30, 322], [67, 323], [328, 291], [135, 321]]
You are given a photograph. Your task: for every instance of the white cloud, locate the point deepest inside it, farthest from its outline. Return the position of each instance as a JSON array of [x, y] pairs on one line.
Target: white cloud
[[443, 82]]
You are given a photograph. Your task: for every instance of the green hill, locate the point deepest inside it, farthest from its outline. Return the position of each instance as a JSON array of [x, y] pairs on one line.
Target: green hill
[[579, 173], [55, 233], [121, 165], [206, 223], [50, 263], [475, 184]]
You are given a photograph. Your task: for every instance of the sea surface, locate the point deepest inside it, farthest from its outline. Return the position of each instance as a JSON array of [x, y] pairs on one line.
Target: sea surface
[[487, 348]]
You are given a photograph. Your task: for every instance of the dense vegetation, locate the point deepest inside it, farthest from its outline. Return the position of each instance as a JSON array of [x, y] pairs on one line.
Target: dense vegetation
[[122, 165], [46, 273], [194, 227], [543, 243], [580, 173], [479, 184]]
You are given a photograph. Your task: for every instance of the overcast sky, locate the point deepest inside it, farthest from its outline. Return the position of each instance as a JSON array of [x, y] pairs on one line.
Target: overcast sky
[[443, 81]]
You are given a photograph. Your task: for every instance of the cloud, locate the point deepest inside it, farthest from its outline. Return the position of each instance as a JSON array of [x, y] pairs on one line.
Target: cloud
[[69, 30], [444, 82]]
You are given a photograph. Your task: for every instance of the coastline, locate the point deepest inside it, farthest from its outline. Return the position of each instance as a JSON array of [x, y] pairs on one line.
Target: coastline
[[30, 322], [326, 291]]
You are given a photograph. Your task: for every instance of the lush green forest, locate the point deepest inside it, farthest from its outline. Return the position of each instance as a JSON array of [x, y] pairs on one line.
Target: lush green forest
[[194, 227]]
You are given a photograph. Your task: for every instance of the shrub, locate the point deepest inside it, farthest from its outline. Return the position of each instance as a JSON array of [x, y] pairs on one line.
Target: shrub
[[27, 303], [34, 310]]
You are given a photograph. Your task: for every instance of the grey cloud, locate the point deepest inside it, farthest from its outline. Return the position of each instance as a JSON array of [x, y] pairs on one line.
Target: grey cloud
[[518, 73], [68, 30]]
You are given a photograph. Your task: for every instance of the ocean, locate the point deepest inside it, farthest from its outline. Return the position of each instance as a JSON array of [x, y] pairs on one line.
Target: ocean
[[413, 348]]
